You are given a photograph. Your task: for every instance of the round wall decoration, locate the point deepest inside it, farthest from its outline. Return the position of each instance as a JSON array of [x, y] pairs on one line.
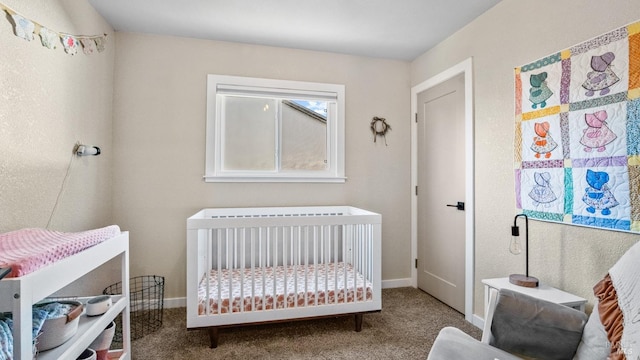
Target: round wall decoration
[[379, 127]]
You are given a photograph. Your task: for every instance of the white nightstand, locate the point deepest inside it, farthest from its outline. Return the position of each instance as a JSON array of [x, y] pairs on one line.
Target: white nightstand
[[543, 292]]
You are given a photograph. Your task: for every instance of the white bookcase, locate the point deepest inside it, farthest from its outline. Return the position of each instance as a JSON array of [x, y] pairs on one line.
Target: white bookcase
[[17, 295]]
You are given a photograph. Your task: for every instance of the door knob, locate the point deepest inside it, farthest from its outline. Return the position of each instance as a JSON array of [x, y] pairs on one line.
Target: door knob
[[459, 205]]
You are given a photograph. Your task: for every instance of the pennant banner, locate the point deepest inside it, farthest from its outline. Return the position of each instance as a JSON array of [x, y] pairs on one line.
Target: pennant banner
[[27, 29]]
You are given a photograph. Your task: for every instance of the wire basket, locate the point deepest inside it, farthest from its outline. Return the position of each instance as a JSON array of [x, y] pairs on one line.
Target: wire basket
[[146, 300]]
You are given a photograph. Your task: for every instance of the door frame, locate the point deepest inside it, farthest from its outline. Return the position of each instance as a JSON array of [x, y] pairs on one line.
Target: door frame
[[465, 67]]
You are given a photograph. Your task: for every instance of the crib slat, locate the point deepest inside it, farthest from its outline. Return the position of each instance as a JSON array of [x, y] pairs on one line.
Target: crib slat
[[219, 274], [241, 259], [306, 265], [315, 265], [354, 252], [358, 262], [295, 279], [291, 264], [369, 255], [231, 266], [267, 255], [336, 260], [253, 269], [346, 260], [208, 260], [284, 265], [262, 268], [326, 248], [367, 261], [274, 277]]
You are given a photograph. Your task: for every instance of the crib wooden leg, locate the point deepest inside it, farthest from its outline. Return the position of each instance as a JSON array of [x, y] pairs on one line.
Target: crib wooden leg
[[359, 322], [213, 337]]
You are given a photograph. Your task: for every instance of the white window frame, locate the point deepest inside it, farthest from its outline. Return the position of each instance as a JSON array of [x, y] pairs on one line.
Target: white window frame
[[219, 84]]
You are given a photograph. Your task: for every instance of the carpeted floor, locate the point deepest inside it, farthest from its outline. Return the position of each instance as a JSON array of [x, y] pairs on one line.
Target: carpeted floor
[[405, 329]]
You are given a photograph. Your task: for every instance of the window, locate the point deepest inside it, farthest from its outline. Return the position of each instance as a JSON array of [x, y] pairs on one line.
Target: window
[[264, 130]]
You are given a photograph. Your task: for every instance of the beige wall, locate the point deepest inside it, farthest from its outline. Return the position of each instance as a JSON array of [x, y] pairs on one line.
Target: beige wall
[[155, 159], [159, 139], [511, 34], [48, 101]]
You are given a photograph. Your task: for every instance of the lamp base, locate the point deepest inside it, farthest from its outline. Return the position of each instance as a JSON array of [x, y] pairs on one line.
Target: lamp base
[[522, 280]]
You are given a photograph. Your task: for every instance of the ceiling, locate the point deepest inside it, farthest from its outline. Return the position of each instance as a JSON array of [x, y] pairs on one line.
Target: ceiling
[[392, 29]]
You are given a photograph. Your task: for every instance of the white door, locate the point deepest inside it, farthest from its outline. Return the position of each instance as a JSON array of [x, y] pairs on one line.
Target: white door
[[441, 191]]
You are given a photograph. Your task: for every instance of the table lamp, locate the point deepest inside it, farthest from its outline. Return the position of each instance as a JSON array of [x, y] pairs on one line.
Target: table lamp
[[515, 247]]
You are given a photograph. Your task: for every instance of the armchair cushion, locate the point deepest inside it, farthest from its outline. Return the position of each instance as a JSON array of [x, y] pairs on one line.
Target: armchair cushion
[[594, 344], [535, 328], [453, 343]]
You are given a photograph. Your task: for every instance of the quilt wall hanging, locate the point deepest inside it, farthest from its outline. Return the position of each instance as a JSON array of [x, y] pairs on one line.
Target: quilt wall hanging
[[577, 133]]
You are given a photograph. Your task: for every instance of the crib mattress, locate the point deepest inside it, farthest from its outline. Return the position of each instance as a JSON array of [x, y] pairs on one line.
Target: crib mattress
[[26, 250], [283, 287]]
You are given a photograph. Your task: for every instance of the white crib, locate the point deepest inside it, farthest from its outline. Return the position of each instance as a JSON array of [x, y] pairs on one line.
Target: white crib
[[256, 265]]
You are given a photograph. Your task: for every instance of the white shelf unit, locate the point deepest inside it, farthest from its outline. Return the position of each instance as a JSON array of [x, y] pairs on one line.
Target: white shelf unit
[[17, 295]]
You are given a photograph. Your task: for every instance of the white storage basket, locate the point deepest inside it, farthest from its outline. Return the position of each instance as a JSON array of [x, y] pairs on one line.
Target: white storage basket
[[56, 331]]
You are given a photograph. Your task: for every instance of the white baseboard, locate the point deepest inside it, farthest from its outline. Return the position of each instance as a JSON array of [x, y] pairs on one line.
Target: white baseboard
[[396, 283], [175, 302], [478, 322], [386, 284]]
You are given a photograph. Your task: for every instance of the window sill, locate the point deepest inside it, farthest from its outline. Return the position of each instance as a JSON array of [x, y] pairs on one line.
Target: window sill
[[274, 179]]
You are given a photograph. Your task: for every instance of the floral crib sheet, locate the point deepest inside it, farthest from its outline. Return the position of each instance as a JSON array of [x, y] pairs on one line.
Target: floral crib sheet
[[577, 133], [283, 287]]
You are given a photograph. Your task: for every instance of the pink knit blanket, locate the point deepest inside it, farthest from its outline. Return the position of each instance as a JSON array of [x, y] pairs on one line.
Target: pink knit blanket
[[27, 250]]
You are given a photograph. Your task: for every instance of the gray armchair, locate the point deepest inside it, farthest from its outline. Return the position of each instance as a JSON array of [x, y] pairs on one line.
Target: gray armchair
[[517, 325]]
